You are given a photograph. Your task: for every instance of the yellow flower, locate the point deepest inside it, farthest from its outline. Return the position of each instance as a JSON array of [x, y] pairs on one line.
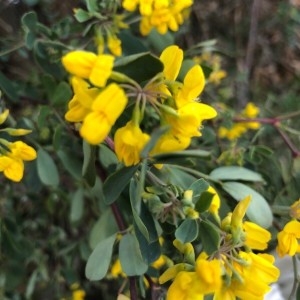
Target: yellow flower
[[81, 103], [288, 239], [216, 76], [295, 210], [189, 119], [257, 273], [129, 142], [88, 65], [11, 164], [79, 63], [78, 294], [3, 116], [256, 237], [169, 142], [193, 85], [209, 274], [105, 110], [114, 45], [116, 269], [171, 58], [184, 287], [237, 220], [215, 203]]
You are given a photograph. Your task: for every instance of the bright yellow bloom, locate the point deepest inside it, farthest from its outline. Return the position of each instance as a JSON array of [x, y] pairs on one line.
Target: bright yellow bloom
[[81, 103], [193, 85], [170, 143], [114, 45], [78, 294], [160, 262], [3, 116], [185, 287], [106, 109], [116, 269], [79, 63], [129, 142], [288, 239], [295, 210], [257, 273], [209, 273], [11, 164], [171, 58], [233, 133], [88, 65], [256, 237], [159, 14], [237, 220], [189, 119], [239, 212], [215, 203]]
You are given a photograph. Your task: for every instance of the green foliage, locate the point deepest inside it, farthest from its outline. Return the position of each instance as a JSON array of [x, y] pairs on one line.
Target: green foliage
[[78, 207]]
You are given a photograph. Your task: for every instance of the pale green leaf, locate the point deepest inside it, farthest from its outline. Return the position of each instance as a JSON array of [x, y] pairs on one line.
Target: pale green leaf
[[235, 173], [187, 231], [46, 168], [259, 210], [130, 256], [99, 261]]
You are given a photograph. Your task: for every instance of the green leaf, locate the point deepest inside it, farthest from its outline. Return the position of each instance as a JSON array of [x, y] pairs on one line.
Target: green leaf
[[47, 169], [150, 250], [62, 94], [187, 231], [77, 206], [82, 15], [92, 5], [177, 157], [130, 43], [99, 261], [198, 187], [71, 164], [134, 201], [42, 52], [235, 173], [209, 236], [259, 210], [88, 167], [204, 202], [130, 256], [160, 41], [8, 88], [107, 157], [104, 227], [116, 182], [140, 67], [30, 20], [154, 138]]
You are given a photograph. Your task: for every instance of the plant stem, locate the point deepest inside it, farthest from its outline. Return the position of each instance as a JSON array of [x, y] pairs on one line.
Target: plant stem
[[296, 279], [132, 288]]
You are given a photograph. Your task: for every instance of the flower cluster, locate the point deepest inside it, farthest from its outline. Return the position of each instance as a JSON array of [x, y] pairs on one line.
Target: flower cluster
[[288, 238], [234, 271], [241, 124], [13, 154], [97, 105], [162, 15], [213, 62]]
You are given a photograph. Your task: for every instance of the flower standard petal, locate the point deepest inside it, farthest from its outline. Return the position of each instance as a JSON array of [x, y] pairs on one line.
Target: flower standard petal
[[79, 63], [172, 58]]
